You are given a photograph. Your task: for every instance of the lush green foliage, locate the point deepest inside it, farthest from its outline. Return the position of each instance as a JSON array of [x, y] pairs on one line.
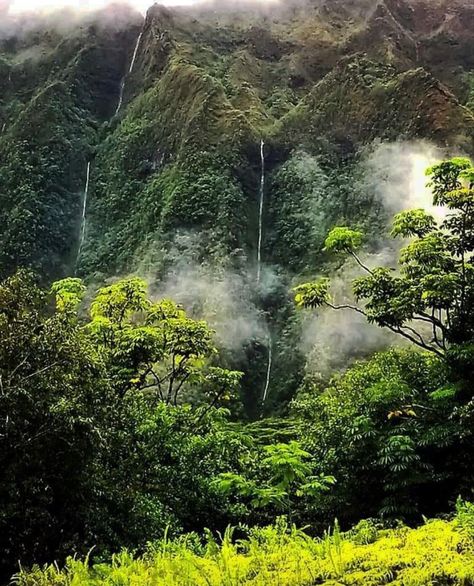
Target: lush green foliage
[[277, 475], [430, 300], [387, 429], [88, 399], [440, 552], [55, 93], [391, 425], [41, 179], [114, 427], [52, 393]]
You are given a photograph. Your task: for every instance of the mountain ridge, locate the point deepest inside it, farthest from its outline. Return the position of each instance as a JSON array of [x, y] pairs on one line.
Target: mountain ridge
[[169, 112]]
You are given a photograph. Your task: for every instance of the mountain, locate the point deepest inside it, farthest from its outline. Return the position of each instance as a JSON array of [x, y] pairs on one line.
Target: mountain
[[154, 126]]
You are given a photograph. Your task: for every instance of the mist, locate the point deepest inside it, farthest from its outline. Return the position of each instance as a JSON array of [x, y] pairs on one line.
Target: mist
[[21, 17], [394, 174], [229, 300], [18, 7], [224, 297], [66, 19]]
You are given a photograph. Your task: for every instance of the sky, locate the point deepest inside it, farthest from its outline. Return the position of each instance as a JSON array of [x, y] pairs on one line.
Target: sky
[[22, 6]]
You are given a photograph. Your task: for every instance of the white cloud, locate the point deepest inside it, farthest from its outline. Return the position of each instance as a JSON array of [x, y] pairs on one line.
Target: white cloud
[[46, 6]]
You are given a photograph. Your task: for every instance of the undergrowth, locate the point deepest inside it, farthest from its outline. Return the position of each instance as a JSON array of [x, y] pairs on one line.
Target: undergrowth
[[440, 552]]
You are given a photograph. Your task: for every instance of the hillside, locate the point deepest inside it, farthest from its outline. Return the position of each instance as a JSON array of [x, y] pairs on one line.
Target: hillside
[[167, 113], [237, 290]]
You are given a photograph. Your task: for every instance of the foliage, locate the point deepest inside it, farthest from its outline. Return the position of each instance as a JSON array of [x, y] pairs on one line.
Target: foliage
[[297, 213], [41, 182], [113, 428], [52, 399], [89, 443], [430, 300], [154, 347], [280, 473], [307, 195], [164, 169], [312, 294], [343, 240], [437, 552], [387, 429]]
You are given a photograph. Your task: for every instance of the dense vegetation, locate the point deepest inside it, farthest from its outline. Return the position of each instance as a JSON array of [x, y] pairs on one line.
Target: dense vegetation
[[119, 430], [191, 169], [440, 552]]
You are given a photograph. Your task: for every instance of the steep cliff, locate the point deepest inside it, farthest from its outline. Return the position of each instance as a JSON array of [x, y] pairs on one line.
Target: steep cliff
[[170, 111]]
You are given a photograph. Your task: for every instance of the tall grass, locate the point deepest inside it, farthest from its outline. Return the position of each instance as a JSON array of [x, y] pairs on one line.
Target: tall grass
[[438, 553]]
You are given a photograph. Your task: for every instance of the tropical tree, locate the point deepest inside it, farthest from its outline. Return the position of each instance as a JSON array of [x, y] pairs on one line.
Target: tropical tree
[[52, 397], [273, 476], [148, 346], [89, 443], [387, 429], [429, 300]]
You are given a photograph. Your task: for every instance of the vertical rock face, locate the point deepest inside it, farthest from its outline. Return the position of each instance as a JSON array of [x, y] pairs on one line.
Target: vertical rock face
[[180, 160], [215, 80], [57, 89]]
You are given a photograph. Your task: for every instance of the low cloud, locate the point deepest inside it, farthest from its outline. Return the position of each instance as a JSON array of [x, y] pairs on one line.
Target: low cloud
[[224, 297], [395, 174]]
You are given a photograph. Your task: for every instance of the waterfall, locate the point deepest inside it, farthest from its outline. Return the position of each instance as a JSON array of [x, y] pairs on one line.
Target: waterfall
[[269, 369], [132, 65], [135, 52], [260, 217], [122, 88], [82, 235], [259, 265]]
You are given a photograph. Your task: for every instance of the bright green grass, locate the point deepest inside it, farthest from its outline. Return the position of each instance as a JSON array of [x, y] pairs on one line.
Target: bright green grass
[[439, 553]]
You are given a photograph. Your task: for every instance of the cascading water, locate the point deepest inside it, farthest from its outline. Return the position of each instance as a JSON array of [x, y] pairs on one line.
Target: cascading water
[[260, 216], [135, 52], [122, 88], [130, 70], [269, 344], [269, 370], [82, 235]]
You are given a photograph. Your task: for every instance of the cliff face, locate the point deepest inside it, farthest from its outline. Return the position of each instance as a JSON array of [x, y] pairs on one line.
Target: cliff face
[[208, 84], [170, 111]]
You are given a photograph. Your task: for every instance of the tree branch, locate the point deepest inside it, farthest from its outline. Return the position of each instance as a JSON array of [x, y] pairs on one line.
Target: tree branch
[[183, 380], [171, 375], [346, 306], [360, 263], [420, 342], [211, 405], [39, 371]]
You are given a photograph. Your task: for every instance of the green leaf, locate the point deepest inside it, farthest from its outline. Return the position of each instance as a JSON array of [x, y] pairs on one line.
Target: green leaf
[[343, 239]]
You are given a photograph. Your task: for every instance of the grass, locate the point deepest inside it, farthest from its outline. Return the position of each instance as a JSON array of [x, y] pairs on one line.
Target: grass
[[438, 553]]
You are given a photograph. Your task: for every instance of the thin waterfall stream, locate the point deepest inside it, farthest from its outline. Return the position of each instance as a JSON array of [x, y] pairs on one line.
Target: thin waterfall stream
[[122, 88], [269, 370], [82, 235], [130, 70], [135, 52], [269, 344], [260, 216]]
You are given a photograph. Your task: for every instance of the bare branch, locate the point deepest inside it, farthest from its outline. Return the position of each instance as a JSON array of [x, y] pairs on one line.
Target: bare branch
[[17, 367], [346, 306], [360, 263], [39, 371], [420, 342], [406, 331]]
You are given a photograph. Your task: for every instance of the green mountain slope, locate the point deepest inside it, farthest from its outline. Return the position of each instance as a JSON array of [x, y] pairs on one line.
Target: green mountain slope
[[170, 110]]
